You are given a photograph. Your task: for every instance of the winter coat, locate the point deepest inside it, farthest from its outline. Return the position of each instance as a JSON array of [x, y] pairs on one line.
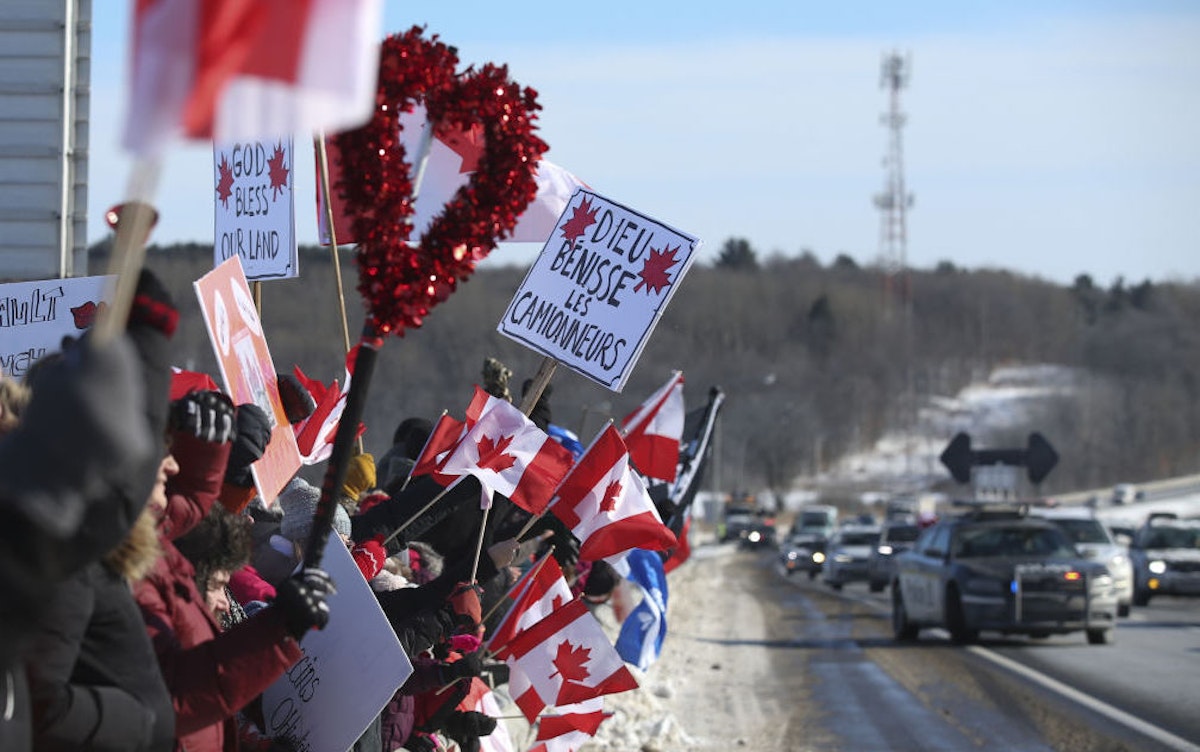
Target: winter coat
[[211, 674], [94, 680]]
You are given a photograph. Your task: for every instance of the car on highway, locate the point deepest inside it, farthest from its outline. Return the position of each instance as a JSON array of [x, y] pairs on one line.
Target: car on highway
[[818, 519], [847, 552], [748, 526], [996, 568], [803, 552], [1095, 541], [896, 536], [1166, 558]]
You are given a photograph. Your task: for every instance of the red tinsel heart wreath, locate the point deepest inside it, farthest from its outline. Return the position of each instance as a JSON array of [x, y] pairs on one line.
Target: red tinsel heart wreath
[[400, 283]]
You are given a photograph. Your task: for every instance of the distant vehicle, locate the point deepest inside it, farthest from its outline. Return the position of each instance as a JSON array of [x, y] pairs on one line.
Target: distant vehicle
[[1125, 493], [1000, 570], [1095, 541], [738, 519], [895, 538], [803, 552], [819, 519], [847, 552], [1166, 558], [748, 526]]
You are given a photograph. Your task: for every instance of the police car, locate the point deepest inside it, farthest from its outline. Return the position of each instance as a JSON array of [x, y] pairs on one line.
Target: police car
[[995, 568]]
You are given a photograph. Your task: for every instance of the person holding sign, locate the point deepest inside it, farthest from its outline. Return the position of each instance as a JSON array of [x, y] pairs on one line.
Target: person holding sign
[[213, 674]]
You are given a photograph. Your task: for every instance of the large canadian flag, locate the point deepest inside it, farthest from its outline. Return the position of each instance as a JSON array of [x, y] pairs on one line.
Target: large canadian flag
[[244, 70], [453, 155], [606, 505], [540, 591], [511, 456], [565, 658], [652, 432]]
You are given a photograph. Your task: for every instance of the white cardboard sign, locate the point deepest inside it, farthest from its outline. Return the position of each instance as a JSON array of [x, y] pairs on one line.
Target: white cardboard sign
[[255, 208], [600, 284], [350, 669], [35, 316]]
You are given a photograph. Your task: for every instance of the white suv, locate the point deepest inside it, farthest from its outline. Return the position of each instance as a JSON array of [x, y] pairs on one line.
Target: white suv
[[1094, 541]]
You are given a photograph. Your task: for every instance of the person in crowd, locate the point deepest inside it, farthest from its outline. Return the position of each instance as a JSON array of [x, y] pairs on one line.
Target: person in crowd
[[213, 674], [217, 548], [76, 474], [396, 464], [360, 480]]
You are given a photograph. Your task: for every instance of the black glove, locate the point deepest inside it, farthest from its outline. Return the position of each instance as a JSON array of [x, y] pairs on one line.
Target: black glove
[[153, 305], [253, 435], [419, 743], [465, 727], [206, 415], [302, 599], [298, 402], [464, 668], [566, 545]]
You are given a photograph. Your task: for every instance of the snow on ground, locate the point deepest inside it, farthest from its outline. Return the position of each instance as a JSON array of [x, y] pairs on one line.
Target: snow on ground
[[1001, 402]]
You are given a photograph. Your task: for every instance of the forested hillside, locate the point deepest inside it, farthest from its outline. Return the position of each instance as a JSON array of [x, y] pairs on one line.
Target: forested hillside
[[814, 359]]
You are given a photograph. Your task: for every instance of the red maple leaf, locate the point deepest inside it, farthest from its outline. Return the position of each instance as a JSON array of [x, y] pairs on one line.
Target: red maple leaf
[[611, 495], [467, 143], [583, 217], [654, 269], [225, 184], [492, 454], [277, 171], [570, 660], [85, 315]]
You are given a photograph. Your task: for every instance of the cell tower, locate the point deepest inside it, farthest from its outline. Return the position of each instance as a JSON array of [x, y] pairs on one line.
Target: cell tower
[[894, 200]]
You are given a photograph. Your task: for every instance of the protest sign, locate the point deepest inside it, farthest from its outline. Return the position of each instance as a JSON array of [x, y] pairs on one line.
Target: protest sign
[[255, 208], [600, 284], [246, 368], [350, 669], [35, 316]]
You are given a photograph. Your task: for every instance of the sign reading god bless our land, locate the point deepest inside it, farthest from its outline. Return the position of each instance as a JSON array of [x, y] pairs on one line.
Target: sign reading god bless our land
[[599, 286], [256, 208]]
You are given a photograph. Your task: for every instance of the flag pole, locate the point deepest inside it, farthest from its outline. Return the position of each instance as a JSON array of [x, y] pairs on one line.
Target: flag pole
[[482, 532], [343, 442], [135, 219], [422, 510], [326, 199]]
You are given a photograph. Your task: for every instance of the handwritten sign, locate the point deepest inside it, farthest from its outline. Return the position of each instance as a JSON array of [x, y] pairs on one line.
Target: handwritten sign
[[247, 369], [35, 316], [600, 284], [255, 209], [350, 669]]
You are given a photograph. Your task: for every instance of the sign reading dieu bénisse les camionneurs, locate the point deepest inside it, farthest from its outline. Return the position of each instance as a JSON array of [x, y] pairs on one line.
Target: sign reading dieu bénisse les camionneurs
[[600, 284]]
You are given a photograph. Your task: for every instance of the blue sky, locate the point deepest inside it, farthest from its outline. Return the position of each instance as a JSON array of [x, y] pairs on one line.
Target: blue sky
[[1051, 138]]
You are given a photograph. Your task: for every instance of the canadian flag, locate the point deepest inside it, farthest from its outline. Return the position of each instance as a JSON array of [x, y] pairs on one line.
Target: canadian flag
[[453, 155], [442, 440], [540, 591], [244, 70], [565, 658], [652, 432], [511, 456], [606, 505], [315, 434], [570, 726], [447, 434]]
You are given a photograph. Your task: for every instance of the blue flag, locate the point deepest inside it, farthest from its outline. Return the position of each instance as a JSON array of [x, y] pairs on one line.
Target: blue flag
[[642, 632]]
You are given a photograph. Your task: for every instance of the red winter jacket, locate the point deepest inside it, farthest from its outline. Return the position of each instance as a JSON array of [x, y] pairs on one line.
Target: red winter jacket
[[211, 674]]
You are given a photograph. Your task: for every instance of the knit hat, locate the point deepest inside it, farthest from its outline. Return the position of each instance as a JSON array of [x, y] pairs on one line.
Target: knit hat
[[298, 500]]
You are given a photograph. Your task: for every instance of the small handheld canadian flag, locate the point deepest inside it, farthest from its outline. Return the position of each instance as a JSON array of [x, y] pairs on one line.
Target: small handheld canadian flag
[[652, 432], [511, 456]]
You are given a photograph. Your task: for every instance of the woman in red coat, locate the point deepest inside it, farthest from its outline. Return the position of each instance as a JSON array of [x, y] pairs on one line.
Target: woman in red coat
[[213, 674]]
